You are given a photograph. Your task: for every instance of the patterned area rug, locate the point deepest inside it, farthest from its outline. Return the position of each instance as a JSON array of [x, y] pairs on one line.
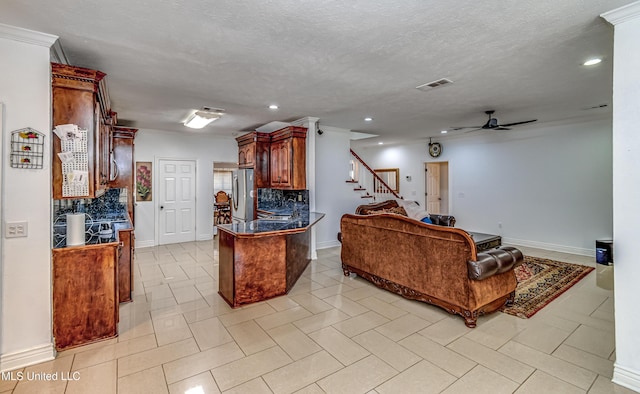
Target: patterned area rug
[[541, 281]]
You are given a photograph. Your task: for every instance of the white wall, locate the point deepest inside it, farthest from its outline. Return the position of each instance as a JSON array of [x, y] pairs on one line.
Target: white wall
[[25, 300], [626, 192], [550, 187], [152, 145], [334, 196]]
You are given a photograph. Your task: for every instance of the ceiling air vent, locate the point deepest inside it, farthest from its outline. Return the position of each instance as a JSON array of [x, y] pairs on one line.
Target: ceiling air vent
[[434, 84]]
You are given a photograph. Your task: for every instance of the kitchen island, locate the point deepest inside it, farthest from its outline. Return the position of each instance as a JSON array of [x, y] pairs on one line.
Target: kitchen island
[[264, 258]]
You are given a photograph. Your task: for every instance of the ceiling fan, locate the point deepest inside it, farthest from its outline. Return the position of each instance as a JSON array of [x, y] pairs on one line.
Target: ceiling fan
[[492, 124]]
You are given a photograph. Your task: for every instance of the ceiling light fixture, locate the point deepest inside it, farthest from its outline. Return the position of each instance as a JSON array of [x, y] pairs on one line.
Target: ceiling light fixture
[[273, 106], [380, 143], [443, 132], [368, 119], [592, 62], [200, 119]]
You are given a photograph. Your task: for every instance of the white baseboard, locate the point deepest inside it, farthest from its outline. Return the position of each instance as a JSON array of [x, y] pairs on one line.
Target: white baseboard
[[626, 377], [548, 246], [23, 358], [145, 244], [327, 244]]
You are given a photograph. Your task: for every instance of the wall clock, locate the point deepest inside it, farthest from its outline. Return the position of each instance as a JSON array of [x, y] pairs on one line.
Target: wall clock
[[435, 149]]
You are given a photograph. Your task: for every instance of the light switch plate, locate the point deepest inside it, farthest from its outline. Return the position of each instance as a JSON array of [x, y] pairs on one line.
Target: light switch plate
[[16, 229]]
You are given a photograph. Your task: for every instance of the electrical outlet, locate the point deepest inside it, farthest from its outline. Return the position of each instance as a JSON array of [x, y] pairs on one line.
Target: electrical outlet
[[16, 229], [300, 197], [499, 224]]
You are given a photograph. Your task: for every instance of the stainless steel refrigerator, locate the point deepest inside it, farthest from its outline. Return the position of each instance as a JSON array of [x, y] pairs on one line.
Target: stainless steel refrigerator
[[242, 195]]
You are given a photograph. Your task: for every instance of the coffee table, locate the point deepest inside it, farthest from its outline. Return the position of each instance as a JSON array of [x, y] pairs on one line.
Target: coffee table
[[485, 241]]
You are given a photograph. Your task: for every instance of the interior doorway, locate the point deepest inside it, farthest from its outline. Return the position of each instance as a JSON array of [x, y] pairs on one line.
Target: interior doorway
[[437, 187], [176, 201]]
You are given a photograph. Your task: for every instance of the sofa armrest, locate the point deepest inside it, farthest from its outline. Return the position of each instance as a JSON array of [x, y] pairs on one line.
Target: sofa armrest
[[494, 262]]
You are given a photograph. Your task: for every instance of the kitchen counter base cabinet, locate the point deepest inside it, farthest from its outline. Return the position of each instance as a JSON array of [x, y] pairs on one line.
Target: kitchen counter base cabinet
[[85, 294], [125, 262], [259, 267]]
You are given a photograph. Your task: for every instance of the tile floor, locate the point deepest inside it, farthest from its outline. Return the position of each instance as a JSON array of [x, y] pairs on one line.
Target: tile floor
[[330, 334]]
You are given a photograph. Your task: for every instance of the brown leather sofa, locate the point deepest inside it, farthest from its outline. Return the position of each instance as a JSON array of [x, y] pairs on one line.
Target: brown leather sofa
[[392, 206], [430, 263]]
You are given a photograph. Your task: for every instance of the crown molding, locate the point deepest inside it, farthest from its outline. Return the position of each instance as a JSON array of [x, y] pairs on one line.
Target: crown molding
[[57, 53], [622, 14], [28, 36]]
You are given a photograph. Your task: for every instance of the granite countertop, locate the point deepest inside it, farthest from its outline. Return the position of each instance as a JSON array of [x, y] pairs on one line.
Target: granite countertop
[[269, 227]]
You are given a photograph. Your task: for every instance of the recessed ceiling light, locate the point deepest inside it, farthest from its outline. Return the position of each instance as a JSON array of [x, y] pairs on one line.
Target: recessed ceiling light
[[592, 62], [368, 119], [273, 106], [380, 143], [443, 132]]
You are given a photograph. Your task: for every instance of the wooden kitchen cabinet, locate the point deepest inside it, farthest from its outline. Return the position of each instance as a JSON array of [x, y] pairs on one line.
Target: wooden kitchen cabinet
[[122, 165], [253, 152], [85, 294], [125, 264], [288, 158], [79, 96]]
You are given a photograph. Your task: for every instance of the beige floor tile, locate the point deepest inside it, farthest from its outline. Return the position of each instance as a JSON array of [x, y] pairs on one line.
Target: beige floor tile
[[361, 323], [197, 363], [424, 378], [387, 350], [331, 290], [324, 280], [282, 303], [98, 379], [604, 385], [492, 359], [255, 386], [250, 367], [384, 308], [186, 294], [154, 357], [481, 380], [498, 331], [600, 324], [599, 342], [293, 341], [302, 373], [442, 357], [149, 381], [202, 383], [361, 292], [428, 312], [541, 382], [35, 378], [200, 314], [359, 377], [320, 320], [402, 327], [311, 303], [599, 365], [210, 333], [246, 313], [158, 292], [446, 330], [113, 351], [346, 305], [311, 389], [11, 379], [250, 337], [171, 329], [338, 345], [560, 369], [585, 303], [542, 337], [283, 317]]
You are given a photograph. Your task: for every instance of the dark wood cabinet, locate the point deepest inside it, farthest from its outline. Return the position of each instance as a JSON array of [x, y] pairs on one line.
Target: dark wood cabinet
[[253, 152], [288, 158], [122, 165], [79, 97], [125, 265], [85, 294]]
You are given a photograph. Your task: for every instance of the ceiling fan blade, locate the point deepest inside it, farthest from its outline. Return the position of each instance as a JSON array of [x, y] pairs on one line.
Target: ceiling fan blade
[[477, 129], [501, 128], [517, 123], [456, 128]]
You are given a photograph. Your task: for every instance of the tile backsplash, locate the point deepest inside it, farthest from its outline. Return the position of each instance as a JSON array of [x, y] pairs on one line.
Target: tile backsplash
[[112, 203], [282, 201]]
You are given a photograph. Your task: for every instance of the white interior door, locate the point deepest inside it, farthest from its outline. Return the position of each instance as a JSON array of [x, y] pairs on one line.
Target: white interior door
[[433, 188], [176, 201]]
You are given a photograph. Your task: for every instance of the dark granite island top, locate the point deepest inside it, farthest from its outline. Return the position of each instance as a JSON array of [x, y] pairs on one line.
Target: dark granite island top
[[262, 259]]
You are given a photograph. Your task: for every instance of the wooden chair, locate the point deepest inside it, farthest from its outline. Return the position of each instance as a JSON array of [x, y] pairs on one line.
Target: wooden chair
[[222, 208]]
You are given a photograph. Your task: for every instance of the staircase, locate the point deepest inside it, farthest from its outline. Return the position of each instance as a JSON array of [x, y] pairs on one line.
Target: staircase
[[366, 182]]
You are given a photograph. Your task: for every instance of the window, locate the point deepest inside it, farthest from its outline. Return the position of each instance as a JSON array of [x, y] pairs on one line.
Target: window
[[222, 180]]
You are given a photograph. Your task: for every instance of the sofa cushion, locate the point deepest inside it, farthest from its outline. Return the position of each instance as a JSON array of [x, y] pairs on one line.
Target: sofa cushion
[[493, 262]]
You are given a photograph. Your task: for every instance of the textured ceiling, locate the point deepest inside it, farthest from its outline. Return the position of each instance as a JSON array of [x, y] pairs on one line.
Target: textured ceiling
[[339, 61]]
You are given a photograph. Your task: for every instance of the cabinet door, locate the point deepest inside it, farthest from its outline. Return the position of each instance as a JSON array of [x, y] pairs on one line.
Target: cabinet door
[[274, 167], [285, 163], [246, 155], [125, 256]]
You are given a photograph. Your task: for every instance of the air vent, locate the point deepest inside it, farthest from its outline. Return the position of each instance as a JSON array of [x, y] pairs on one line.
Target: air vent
[[434, 84]]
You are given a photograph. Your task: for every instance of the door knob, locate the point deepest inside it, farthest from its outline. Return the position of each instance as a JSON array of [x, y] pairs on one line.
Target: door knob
[[161, 206]]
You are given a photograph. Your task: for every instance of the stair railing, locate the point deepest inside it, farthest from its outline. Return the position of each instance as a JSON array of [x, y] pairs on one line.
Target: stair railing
[[379, 187]]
